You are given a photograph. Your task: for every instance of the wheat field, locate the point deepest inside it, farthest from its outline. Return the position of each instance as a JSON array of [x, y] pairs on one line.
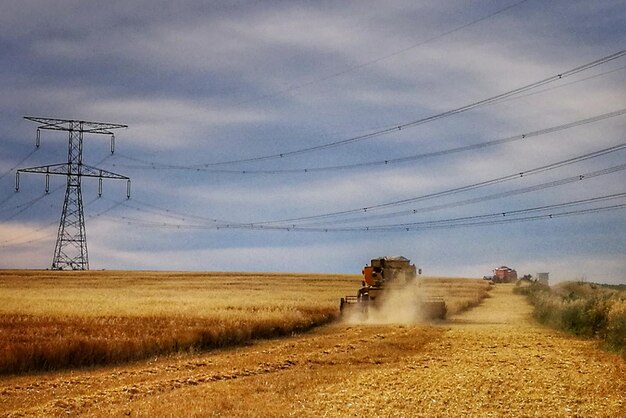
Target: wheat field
[[55, 320], [491, 360], [51, 320]]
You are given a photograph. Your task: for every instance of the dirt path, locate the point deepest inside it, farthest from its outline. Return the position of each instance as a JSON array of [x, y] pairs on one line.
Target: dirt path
[[491, 361], [494, 361]]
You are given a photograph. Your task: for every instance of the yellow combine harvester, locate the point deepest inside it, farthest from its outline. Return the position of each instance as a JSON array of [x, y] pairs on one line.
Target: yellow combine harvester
[[392, 275]]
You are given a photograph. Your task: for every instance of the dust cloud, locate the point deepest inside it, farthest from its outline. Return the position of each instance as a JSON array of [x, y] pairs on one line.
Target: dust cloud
[[395, 305]]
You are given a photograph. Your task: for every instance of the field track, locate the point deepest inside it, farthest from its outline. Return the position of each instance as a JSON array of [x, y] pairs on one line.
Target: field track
[[490, 361]]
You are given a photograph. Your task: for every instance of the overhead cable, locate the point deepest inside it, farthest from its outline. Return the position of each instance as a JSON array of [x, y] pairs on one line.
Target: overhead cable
[[509, 213], [456, 190], [396, 128], [480, 199], [472, 223], [6, 173], [492, 218], [167, 213], [25, 207], [591, 77], [435, 117], [12, 241], [442, 224], [390, 161]]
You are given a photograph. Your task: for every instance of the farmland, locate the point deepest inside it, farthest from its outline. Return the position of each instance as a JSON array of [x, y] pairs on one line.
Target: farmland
[[51, 320], [492, 360]]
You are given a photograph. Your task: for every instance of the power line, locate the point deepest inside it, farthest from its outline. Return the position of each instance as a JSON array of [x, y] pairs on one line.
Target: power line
[[510, 213], [516, 220], [317, 226], [132, 204], [395, 128], [495, 196], [9, 197], [11, 242], [565, 84], [456, 190], [398, 160], [215, 223], [6, 242], [3, 175], [438, 116], [25, 206], [492, 218], [480, 199], [481, 220]]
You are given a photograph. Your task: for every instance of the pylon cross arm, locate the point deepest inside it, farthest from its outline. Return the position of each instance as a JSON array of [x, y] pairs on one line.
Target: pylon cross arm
[[75, 125], [62, 168], [89, 171]]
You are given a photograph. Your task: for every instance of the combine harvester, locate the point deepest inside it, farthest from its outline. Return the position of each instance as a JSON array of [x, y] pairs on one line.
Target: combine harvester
[[391, 284]]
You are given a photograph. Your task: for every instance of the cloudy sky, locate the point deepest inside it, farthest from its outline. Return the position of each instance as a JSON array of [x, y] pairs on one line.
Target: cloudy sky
[[312, 136]]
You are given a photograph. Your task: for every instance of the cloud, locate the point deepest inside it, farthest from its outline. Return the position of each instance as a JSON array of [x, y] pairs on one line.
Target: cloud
[[200, 83], [166, 124]]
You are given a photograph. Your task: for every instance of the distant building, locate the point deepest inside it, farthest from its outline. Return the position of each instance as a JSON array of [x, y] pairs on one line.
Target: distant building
[[543, 278]]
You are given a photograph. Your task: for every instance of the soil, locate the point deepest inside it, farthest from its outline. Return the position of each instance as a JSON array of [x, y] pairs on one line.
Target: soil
[[491, 361]]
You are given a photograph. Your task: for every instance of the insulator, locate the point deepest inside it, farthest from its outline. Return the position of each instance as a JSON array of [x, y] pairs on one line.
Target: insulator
[[17, 181], [38, 138], [100, 187], [47, 183], [112, 143], [128, 189]]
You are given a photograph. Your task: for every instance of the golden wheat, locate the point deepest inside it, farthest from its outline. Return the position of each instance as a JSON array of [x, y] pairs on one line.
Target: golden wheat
[[51, 320], [459, 294]]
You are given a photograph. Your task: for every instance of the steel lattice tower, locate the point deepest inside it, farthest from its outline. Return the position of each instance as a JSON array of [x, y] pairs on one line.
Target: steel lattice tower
[[70, 251]]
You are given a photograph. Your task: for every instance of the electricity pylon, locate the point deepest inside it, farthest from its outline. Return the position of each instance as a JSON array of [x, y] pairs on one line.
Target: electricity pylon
[[71, 246]]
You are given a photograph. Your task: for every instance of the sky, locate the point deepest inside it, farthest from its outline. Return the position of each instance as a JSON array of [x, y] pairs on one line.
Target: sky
[[312, 136]]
